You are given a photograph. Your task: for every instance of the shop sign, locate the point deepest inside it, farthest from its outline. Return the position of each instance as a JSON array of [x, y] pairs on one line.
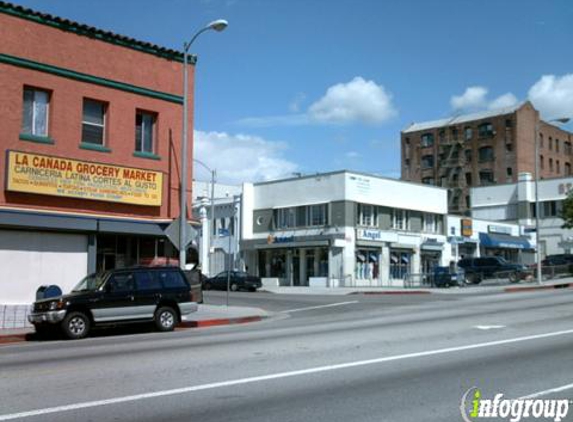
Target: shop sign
[[376, 235], [279, 239], [467, 229], [499, 229], [565, 188], [56, 176]]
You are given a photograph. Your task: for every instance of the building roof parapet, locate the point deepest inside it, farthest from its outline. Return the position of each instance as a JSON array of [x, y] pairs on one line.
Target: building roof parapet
[[92, 32]]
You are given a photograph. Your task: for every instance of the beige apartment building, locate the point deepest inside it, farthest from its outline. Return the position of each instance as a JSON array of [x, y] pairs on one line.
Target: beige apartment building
[[482, 149]]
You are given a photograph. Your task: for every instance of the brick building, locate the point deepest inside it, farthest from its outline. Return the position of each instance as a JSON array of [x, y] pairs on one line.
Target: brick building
[[90, 162], [482, 149]]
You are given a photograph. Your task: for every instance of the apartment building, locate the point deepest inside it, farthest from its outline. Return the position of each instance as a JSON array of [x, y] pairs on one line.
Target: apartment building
[[89, 167], [482, 149]]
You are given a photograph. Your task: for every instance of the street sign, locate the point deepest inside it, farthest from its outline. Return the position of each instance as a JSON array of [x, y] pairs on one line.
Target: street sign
[[172, 233]]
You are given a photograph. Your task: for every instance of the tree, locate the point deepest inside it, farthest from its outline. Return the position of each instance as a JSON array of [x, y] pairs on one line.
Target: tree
[[567, 211]]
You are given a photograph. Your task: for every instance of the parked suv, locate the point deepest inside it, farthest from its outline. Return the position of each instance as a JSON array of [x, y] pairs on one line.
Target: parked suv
[[477, 269], [159, 294]]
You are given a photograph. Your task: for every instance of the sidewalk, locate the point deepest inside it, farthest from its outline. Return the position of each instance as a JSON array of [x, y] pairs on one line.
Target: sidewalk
[[564, 283], [206, 316]]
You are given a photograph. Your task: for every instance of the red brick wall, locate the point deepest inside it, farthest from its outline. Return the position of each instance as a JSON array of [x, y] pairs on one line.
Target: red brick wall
[[48, 45]]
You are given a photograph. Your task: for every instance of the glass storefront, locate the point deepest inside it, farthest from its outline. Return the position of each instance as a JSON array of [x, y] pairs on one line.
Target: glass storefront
[[366, 264], [400, 263], [306, 262]]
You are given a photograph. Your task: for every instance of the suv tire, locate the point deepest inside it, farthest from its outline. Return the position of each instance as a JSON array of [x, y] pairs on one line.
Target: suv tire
[[513, 277], [165, 319], [76, 325]]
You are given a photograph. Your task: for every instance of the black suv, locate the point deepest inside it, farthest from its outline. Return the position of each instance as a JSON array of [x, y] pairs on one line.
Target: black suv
[[159, 294], [477, 269]]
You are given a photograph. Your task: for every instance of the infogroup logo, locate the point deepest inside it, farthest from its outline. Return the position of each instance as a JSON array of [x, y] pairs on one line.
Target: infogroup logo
[[475, 407]]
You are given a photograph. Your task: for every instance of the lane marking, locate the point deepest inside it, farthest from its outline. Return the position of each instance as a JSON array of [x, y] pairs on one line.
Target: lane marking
[[489, 327], [546, 392], [318, 307], [280, 375]]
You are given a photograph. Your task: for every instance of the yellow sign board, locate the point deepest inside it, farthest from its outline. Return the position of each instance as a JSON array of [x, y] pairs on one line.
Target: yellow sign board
[[47, 175]]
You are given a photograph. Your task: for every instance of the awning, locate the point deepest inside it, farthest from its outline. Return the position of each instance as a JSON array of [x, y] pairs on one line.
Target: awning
[[432, 246], [504, 241]]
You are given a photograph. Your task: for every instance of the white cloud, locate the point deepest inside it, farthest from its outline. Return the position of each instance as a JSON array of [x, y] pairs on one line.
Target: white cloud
[[505, 100], [356, 101], [242, 158], [474, 97], [553, 96]]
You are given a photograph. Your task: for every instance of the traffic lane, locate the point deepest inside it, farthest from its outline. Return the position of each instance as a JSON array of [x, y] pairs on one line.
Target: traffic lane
[[136, 370], [421, 388], [282, 302]]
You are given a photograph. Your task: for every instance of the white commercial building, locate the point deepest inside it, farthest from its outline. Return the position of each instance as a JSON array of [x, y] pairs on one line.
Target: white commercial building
[[515, 203], [350, 229]]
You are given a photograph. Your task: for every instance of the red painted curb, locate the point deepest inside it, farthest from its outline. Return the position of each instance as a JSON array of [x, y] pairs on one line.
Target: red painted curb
[[12, 338], [219, 321], [533, 288]]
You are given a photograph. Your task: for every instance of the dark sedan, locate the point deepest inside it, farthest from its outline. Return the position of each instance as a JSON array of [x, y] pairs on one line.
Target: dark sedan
[[239, 280]]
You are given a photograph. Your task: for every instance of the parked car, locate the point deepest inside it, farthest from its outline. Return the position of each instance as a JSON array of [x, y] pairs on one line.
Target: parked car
[[239, 280], [143, 294], [478, 269], [557, 259], [447, 276]]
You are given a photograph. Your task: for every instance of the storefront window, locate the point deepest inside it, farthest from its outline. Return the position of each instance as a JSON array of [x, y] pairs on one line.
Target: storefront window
[[323, 263], [366, 267], [399, 264], [278, 264]]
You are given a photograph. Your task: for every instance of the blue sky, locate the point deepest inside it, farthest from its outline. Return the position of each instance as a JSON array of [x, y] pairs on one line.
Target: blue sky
[[319, 85]]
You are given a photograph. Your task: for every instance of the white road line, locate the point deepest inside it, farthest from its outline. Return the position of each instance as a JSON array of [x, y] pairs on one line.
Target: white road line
[[547, 392], [489, 327], [194, 388], [318, 307]]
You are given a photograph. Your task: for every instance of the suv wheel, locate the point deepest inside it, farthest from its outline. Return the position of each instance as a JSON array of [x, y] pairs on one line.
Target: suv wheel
[[165, 319], [76, 325], [513, 277]]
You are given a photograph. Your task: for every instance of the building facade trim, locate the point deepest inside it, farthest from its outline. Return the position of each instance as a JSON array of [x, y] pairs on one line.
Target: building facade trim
[[84, 77], [92, 32]]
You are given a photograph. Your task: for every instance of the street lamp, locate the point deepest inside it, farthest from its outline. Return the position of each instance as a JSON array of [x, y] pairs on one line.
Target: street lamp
[[218, 25], [560, 120], [212, 200]]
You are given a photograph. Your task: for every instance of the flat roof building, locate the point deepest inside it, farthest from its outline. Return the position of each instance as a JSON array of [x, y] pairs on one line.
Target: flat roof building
[[482, 149], [91, 138]]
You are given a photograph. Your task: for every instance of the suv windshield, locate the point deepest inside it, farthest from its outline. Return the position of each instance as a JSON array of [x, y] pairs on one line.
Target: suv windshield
[[91, 282]]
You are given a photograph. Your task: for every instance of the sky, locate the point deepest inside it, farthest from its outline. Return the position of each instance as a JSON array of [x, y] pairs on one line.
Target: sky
[[309, 86]]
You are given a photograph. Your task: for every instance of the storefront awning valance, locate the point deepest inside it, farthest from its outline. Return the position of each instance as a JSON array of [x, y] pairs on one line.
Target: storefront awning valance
[[432, 246], [504, 241]]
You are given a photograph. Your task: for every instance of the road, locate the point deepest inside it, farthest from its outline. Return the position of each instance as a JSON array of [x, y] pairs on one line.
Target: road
[[335, 358]]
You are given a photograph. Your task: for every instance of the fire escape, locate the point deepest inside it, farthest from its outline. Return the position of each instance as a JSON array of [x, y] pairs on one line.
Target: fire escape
[[451, 166]]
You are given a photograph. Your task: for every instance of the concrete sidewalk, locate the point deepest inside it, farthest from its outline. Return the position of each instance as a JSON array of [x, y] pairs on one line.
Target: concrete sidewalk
[[206, 316], [342, 291]]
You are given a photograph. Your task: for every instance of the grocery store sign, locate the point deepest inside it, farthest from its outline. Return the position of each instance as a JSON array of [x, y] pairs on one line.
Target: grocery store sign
[[56, 176]]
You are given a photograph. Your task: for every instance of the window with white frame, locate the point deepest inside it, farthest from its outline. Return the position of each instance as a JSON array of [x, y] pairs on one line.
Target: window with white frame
[[431, 223], [367, 215], [317, 215], [400, 219], [145, 132], [285, 218], [93, 122], [35, 112]]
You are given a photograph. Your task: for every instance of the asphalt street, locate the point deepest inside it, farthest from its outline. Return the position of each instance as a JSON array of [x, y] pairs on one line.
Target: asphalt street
[[319, 358]]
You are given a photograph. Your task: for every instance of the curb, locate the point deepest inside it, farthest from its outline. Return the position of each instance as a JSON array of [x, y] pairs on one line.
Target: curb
[[18, 338], [534, 288], [13, 338], [219, 321]]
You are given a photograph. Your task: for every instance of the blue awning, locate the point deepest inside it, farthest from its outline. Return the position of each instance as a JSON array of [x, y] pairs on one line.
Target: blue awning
[[504, 241]]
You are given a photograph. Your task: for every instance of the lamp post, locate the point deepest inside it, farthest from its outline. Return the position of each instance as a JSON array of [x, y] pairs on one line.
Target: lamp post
[[537, 234], [218, 25], [212, 206]]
